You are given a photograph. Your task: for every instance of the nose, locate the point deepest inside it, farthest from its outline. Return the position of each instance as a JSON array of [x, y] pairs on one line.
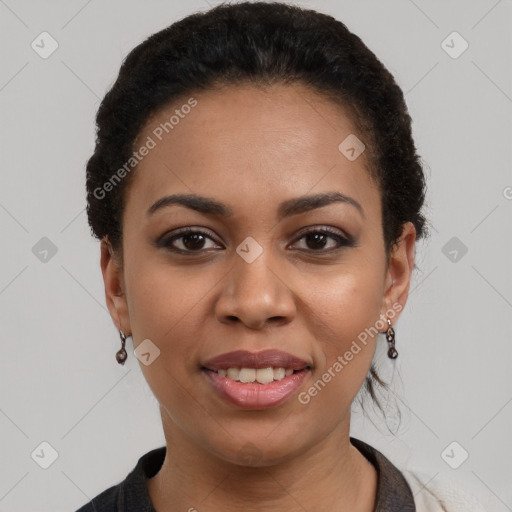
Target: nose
[[256, 294]]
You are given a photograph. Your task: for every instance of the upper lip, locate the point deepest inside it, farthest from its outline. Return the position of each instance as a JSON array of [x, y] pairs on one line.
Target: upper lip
[[262, 359]]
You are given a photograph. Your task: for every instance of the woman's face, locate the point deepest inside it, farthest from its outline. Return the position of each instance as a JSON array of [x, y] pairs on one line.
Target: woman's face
[[259, 275]]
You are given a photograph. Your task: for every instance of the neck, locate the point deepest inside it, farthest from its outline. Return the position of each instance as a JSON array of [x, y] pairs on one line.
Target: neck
[[331, 476]]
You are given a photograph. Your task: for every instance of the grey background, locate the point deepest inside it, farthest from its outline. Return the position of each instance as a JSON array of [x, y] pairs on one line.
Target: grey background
[[59, 382]]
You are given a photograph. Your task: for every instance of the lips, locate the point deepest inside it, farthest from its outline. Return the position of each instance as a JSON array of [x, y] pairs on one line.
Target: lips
[[256, 380], [263, 359]]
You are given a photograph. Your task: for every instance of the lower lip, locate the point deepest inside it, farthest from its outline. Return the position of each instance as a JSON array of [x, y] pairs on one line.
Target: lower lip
[[255, 395]]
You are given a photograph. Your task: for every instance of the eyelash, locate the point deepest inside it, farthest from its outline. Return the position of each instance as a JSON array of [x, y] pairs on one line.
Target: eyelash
[[166, 241]]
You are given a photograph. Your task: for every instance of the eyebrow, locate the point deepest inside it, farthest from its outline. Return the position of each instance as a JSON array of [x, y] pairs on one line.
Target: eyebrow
[[287, 208]]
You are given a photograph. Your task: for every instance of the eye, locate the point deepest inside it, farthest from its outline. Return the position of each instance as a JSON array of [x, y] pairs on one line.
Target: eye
[[185, 240], [316, 240], [189, 240]]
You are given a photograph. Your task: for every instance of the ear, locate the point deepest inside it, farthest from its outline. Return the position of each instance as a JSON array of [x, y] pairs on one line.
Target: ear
[[399, 272], [114, 287]]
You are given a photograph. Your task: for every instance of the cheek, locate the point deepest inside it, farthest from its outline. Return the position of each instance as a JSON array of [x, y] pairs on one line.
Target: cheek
[[344, 325], [345, 303], [162, 298], [163, 303]]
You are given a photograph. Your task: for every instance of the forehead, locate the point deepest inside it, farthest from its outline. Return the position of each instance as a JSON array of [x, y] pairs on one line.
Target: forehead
[[244, 144]]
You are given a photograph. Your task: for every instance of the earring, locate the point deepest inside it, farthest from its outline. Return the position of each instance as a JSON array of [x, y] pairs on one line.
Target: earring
[[390, 336], [121, 354]]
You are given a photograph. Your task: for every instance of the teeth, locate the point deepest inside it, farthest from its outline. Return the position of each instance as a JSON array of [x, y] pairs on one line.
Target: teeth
[[264, 375], [261, 375], [233, 373], [247, 375], [279, 373]]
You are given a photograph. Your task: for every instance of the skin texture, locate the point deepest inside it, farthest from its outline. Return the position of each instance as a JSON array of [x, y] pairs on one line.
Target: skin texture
[[253, 148]]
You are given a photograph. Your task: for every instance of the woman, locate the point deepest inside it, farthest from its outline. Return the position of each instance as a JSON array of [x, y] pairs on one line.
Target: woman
[[258, 195]]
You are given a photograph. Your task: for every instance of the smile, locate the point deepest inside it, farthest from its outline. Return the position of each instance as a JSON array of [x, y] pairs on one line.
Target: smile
[[261, 375], [256, 380]]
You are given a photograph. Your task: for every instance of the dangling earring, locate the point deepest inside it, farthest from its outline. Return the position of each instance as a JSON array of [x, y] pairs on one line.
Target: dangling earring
[[121, 354], [390, 336]]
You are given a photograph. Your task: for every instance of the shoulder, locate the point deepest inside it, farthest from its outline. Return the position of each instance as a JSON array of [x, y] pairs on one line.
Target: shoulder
[[439, 495], [107, 501], [131, 494]]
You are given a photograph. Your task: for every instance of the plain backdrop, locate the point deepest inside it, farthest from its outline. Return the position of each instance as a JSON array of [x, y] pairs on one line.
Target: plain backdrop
[[63, 398]]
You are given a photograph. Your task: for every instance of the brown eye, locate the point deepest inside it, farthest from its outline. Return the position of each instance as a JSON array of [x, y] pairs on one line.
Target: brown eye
[[192, 242], [186, 240], [318, 240]]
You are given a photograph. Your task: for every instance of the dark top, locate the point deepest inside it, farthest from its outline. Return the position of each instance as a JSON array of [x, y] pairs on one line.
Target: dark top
[[131, 495]]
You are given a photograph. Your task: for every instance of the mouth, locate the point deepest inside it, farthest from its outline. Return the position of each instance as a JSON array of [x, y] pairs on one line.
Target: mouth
[[260, 375], [256, 380]]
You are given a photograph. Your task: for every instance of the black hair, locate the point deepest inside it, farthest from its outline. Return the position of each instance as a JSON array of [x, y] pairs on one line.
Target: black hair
[[260, 43]]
